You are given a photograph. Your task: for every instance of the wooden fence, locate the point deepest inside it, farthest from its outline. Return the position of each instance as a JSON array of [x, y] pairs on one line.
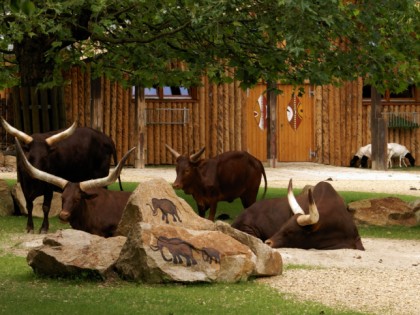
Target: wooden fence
[[221, 118], [342, 123]]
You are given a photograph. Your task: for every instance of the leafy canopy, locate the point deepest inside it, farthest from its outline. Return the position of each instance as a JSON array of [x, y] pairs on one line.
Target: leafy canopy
[[142, 42]]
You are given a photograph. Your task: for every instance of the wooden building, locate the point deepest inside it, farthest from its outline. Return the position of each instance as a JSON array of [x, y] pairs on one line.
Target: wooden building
[[324, 124]]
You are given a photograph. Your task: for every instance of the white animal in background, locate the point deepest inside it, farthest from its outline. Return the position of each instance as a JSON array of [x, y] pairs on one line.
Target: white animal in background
[[396, 150], [363, 154]]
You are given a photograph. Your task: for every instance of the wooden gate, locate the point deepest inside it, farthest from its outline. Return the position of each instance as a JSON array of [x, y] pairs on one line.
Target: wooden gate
[[295, 124]]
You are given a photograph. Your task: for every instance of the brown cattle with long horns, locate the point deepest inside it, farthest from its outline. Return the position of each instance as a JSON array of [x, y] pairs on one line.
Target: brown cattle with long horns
[[230, 175], [317, 219], [76, 154], [86, 205]]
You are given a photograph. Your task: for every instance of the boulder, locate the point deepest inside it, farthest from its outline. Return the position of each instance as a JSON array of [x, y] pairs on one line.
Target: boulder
[[37, 210], [6, 200], [383, 212], [74, 253], [166, 242], [165, 253], [156, 202], [415, 206]]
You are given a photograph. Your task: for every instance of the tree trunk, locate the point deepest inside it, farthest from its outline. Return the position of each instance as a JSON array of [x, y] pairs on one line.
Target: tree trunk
[[141, 127], [379, 133], [272, 124]]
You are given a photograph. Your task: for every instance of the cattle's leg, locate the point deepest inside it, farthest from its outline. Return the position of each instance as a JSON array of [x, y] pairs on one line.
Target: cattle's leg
[[30, 222], [201, 210], [46, 205], [213, 209]]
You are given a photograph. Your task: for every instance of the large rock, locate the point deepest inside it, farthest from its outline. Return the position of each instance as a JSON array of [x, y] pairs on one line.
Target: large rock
[[140, 208], [164, 253], [37, 210], [383, 211], [72, 253], [166, 241], [415, 206], [6, 200], [145, 224]]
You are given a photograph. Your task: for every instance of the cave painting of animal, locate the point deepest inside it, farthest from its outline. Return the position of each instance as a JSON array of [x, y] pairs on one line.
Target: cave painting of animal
[[230, 175], [167, 208], [76, 154], [395, 150], [87, 205], [317, 219], [177, 247], [210, 254]]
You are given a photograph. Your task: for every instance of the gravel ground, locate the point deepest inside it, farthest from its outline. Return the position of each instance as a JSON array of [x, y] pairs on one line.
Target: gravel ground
[[383, 279]]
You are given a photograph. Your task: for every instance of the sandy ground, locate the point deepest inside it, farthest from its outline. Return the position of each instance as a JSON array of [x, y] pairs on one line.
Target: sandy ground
[[383, 279]]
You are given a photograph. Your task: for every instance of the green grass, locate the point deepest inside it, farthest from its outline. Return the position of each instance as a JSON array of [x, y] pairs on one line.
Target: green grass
[[21, 290]]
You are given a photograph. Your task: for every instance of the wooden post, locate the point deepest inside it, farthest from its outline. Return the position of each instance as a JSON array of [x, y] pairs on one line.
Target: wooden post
[[272, 124], [141, 127], [378, 127]]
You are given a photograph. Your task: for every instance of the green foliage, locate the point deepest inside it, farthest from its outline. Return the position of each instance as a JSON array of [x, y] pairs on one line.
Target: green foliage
[[135, 42]]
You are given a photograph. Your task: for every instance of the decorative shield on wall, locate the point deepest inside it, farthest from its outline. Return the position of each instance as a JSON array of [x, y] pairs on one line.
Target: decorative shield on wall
[[260, 112], [294, 112]]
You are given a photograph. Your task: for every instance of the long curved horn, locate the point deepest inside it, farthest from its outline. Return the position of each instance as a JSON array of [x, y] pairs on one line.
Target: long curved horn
[[194, 157], [292, 200], [105, 181], [38, 174], [15, 132], [313, 216], [176, 154], [62, 135]]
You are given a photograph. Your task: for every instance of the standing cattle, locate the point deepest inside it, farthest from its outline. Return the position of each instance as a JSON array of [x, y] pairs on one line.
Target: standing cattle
[[76, 154], [324, 224], [87, 206], [230, 175]]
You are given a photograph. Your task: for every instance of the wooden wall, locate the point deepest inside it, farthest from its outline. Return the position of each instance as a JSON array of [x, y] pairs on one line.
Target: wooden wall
[[221, 118], [342, 124]]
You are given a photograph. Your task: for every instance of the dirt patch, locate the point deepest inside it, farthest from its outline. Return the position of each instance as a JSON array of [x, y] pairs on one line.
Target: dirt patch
[[383, 279]]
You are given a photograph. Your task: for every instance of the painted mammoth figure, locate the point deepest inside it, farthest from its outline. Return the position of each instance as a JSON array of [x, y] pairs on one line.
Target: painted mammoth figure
[[177, 247], [167, 207], [210, 254]]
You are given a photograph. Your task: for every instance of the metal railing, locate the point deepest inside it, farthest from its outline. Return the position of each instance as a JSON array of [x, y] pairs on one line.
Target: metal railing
[[402, 120]]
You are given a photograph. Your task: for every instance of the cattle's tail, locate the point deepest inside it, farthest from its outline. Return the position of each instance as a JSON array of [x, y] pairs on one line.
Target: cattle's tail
[[114, 155], [265, 179]]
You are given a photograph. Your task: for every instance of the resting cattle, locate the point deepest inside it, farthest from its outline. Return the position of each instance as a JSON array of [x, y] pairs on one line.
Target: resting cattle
[[324, 224], [76, 154], [87, 206], [230, 175]]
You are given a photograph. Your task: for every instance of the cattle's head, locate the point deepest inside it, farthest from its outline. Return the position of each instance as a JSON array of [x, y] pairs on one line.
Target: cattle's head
[[38, 149], [294, 232], [74, 194], [185, 168]]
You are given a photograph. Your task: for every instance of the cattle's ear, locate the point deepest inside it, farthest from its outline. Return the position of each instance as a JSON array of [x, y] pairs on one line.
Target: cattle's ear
[[88, 196]]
